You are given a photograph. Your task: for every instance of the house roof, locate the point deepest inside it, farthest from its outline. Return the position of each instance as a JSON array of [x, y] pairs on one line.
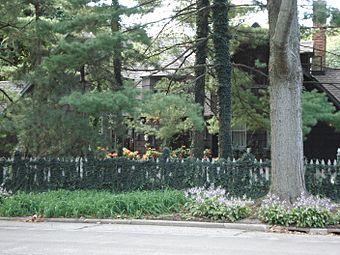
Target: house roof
[[10, 88], [330, 83]]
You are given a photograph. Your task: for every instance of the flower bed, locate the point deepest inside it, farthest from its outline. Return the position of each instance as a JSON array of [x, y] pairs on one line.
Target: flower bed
[[307, 211]]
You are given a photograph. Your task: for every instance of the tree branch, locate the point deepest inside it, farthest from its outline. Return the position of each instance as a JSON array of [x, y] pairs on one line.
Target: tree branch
[[283, 23]]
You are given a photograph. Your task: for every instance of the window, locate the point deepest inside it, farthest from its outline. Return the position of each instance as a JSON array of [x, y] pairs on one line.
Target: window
[[239, 136], [205, 134]]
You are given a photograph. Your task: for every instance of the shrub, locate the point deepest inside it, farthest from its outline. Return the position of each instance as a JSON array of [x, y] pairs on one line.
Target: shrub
[[307, 211], [275, 214], [181, 152], [214, 204]]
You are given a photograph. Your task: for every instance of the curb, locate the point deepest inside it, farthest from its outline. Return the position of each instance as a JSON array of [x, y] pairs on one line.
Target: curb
[[169, 223]]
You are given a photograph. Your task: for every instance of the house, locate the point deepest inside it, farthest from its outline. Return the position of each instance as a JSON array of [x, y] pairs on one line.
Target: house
[[9, 91], [323, 140]]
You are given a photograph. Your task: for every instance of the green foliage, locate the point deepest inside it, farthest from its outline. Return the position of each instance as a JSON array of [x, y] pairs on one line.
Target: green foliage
[[306, 211], [64, 47], [170, 114], [50, 130], [212, 203], [320, 12], [253, 110], [94, 204], [333, 51], [214, 210], [335, 16], [274, 215], [181, 152], [213, 125], [310, 217], [317, 108], [245, 35], [120, 104], [249, 107]]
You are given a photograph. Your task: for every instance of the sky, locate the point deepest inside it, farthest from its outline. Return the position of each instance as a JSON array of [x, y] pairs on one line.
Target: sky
[[261, 17]]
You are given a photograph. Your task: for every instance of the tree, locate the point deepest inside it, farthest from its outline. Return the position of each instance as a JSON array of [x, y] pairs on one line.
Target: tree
[[169, 115], [222, 64], [316, 107], [82, 47], [285, 74], [202, 33]]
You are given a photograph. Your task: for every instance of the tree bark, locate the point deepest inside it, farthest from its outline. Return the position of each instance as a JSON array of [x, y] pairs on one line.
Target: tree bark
[[202, 31], [223, 67], [37, 49], [117, 58], [285, 74]]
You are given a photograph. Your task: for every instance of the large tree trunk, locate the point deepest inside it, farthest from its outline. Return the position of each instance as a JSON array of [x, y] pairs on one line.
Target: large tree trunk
[[202, 31], [285, 75], [222, 63]]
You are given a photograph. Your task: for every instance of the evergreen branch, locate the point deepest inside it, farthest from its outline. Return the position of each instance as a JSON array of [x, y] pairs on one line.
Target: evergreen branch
[[7, 60], [251, 68], [164, 49], [178, 14], [246, 105]]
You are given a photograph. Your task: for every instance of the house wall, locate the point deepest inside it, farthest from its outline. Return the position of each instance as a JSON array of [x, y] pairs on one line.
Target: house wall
[[322, 142]]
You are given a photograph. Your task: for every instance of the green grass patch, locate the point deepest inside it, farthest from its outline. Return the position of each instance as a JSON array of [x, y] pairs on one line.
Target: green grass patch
[[96, 204]]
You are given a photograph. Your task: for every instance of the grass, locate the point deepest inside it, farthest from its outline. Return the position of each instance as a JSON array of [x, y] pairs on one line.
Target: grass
[[95, 204]]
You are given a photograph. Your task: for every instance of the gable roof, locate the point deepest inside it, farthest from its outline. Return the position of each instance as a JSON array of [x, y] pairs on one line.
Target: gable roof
[[330, 84], [9, 88]]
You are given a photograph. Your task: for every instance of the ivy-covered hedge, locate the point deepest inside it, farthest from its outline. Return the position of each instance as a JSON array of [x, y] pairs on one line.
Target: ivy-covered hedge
[[243, 177]]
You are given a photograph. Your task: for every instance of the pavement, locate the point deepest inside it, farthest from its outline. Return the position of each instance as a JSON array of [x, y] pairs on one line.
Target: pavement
[[49, 238]]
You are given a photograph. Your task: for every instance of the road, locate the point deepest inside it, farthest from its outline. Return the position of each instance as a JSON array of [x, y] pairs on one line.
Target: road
[[21, 238]]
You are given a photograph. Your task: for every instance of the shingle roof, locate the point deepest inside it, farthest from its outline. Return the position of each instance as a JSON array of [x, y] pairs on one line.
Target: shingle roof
[[9, 87], [330, 82]]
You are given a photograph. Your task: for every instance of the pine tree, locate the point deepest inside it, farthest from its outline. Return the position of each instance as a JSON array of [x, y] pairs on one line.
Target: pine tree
[[82, 47]]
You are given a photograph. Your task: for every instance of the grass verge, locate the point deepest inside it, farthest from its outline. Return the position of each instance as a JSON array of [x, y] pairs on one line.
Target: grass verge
[[96, 204]]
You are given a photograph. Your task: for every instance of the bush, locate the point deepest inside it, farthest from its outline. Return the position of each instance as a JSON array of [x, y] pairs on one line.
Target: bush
[[213, 203], [274, 214], [310, 217], [307, 211], [95, 204]]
